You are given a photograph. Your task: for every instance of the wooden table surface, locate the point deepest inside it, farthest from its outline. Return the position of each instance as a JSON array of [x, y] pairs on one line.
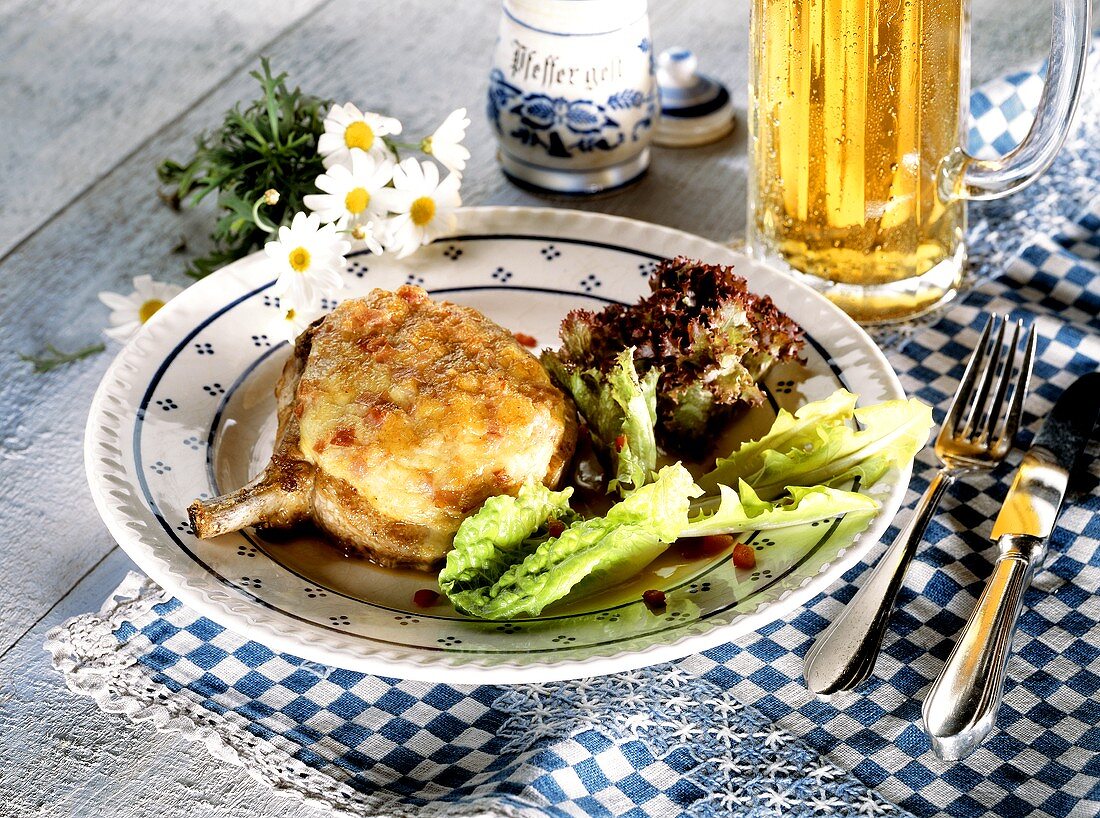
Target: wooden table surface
[[92, 96]]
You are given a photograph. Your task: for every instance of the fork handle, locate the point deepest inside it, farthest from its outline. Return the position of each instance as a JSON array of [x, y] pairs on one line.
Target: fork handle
[[961, 707], [845, 653]]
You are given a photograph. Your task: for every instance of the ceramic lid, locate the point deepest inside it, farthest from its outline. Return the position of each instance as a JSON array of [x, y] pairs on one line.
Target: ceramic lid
[[695, 109]]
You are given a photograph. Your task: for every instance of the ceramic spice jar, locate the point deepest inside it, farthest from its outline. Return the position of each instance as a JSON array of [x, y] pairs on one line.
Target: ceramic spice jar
[[572, 94]]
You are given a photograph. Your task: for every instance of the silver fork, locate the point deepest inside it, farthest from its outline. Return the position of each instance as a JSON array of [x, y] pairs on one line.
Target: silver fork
[[976, 435]]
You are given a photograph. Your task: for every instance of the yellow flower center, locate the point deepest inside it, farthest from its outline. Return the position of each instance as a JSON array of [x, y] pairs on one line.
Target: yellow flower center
[[146, 311], [357, 200], [359, 135], [422, 210], [299, 259]]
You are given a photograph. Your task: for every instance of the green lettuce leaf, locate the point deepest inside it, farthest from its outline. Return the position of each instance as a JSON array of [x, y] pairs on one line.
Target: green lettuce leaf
[[827, 452], [621, 411], [506, 564], [890, 436], [690, 411], [788, 432], [589, 554], [496, 537], [733, 512]]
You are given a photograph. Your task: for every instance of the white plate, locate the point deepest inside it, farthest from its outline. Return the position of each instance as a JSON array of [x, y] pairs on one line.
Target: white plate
[[187, 410]]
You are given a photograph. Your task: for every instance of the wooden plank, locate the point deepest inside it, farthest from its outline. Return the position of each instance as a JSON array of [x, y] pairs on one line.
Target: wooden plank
[[84, 83], [1007, 35], [140, 81], [61, 756]]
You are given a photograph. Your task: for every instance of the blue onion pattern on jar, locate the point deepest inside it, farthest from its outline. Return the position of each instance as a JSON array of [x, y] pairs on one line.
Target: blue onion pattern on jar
[[572, 95]]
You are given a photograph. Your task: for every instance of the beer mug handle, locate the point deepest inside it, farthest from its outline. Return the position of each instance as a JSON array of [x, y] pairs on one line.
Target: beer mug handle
[[982, 179]]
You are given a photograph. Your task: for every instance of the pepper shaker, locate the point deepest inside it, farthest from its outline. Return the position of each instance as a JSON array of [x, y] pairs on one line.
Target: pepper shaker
[[572, 94]]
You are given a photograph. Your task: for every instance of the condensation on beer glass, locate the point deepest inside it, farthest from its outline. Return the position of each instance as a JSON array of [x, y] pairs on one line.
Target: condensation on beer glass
[[857, 114]]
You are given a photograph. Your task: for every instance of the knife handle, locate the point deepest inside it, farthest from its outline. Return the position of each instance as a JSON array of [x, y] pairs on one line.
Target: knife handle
[[961, 708]]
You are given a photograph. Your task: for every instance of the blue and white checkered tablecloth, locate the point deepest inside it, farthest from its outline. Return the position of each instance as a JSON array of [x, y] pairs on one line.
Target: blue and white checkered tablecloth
[[731, 731]]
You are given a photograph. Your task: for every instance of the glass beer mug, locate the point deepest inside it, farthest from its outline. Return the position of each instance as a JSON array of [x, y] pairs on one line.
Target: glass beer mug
[[858, 114]]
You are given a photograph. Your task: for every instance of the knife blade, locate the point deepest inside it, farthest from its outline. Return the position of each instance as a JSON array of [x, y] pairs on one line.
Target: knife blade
[[961, 708], [1039, 485]]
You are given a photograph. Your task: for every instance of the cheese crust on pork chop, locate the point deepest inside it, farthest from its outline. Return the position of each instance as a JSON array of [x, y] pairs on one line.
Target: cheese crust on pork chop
[[398, 417], [426, 409]]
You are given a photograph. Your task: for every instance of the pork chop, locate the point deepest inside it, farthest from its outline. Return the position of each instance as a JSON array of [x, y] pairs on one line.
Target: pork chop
[[398, 417]]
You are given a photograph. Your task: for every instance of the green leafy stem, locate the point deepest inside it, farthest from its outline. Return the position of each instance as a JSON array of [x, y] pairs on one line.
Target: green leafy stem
[[270, 144], [53, 357]]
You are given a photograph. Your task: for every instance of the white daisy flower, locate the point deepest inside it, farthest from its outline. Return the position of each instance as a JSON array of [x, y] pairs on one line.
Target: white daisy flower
[[292, 322], [446, 143], [371, 234], [307, 256], [347, 129], [129, 312], [349, 198], [424, 207]]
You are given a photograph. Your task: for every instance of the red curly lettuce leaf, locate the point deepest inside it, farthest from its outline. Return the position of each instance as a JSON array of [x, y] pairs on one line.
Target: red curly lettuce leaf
[[700, 328]]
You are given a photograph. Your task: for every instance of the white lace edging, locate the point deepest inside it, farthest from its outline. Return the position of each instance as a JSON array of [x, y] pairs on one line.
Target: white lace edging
[[96, 663], [88, 655]]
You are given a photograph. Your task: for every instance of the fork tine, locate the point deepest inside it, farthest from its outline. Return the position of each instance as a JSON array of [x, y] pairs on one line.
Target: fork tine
[[977, 407], [966, 385], [1016, 407], [990, 420]]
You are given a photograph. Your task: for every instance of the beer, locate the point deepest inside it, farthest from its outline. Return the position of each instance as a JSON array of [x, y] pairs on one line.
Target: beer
[[856, 118]]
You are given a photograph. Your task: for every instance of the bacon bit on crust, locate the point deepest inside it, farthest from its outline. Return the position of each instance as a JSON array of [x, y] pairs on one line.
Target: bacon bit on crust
[[378, 413], [413, 295], [343, 437], [654, 600], [529, 341], [425, 598], [743, 556]]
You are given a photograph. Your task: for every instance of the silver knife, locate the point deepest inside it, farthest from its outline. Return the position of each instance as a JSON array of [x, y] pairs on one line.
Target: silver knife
[[962, 705]]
